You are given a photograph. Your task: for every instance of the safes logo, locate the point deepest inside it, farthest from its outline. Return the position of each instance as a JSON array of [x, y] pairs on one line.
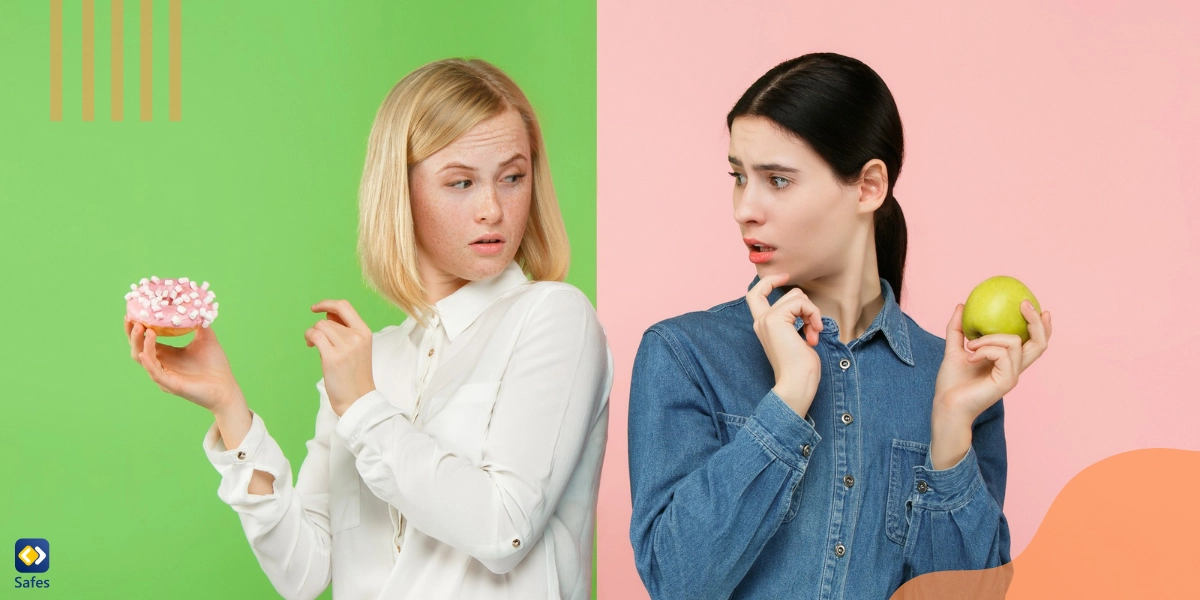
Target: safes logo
[[32, 556]]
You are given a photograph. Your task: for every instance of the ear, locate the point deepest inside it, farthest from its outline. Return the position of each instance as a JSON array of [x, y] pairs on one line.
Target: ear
[[872, 185]]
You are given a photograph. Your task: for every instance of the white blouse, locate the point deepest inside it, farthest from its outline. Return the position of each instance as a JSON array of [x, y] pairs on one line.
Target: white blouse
[[470, 472]]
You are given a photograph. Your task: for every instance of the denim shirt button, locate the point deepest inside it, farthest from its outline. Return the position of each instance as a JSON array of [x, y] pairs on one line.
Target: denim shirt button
[[922, 487], [806, 450], [839, 550], [847, 418], [849, 481], [844, 364]]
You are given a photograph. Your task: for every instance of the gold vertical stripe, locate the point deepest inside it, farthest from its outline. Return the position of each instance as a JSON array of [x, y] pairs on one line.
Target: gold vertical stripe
[[176, 78], [147, 27], [89, 60], [56, 60], [118, 60]]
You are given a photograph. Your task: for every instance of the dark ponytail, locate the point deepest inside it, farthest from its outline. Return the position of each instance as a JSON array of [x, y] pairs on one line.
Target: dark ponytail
[[845, 112], [891, 242]]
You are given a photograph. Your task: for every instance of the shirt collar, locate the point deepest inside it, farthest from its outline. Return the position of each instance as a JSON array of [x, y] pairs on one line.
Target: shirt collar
[[458, 310], [890, 321]]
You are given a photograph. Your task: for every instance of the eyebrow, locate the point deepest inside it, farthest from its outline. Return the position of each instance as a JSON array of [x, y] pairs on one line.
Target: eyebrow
[[512, 159], [765, 167]]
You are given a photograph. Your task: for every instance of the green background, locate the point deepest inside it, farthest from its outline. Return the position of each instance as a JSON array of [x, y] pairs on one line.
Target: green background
[[254, 191]]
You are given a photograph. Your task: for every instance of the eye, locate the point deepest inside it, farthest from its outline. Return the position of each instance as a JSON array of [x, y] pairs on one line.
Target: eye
[[514, 178], [462, 185], [738, 178], [779, 182]]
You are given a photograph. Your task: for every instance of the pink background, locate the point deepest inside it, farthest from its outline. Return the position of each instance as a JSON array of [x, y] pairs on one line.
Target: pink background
[[1055, 142]]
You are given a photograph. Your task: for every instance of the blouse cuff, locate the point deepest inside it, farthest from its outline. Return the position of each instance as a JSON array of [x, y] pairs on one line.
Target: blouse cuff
[[257, 452], [366, 412]]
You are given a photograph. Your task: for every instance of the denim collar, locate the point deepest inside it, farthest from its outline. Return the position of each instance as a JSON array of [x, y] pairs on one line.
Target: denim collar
[[458, 310], [890, 321]]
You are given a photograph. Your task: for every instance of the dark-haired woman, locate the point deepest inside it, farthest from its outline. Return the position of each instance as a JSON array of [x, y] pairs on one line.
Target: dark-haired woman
[[810, 440]]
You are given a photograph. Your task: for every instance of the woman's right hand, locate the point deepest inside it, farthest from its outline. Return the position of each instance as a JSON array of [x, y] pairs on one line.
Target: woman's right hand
[[199, 371], [796, 364]]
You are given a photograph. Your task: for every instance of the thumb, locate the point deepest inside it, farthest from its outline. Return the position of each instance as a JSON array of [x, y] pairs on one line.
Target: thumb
[[954, 332], [205, 335]]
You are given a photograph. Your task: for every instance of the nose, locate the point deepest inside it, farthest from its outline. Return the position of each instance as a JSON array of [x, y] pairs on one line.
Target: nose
[[746, 207], [489, 209]]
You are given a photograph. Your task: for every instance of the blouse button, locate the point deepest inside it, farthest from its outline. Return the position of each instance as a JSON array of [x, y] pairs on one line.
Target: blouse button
[[844, 363], [839, 550], [516, 543], [431, 351], [922, 487], [847, 418], [806, 450], [849, 481], [241, 455]]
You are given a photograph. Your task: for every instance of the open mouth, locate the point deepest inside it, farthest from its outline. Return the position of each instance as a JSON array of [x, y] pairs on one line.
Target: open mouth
[[759, 252], [490, 244], [488, 239]]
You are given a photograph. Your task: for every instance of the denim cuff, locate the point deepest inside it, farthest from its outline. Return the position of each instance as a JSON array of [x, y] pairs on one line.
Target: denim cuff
[[947, 489], [783, 432]]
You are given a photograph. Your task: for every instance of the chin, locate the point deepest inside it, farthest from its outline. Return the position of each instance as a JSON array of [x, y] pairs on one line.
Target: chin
[[767, 270], [486, 269], [795, 276]]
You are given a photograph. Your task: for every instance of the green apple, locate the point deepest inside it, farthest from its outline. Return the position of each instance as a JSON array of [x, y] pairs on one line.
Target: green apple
[[994, 306]]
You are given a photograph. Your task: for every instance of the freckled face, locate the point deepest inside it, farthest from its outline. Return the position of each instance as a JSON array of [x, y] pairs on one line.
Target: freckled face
[[470, 203], [795, 215]]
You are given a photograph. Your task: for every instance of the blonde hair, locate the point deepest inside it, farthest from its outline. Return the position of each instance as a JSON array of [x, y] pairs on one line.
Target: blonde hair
[[423, 113]]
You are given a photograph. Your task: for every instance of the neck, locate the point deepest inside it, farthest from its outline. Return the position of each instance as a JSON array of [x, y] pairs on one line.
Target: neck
[[852, 297], [437, 288]]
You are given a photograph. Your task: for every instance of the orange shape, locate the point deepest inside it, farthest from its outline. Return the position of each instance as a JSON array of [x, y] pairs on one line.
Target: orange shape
[[1125, 527]]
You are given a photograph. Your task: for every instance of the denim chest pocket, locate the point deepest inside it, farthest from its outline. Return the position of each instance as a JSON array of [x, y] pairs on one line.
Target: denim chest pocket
[[730, 426], [905, 455], [459, 422]]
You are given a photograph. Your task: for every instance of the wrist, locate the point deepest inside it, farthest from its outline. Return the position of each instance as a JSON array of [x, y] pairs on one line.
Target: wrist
[[229, 402], [951, 436], [340, 407], [798, 397], [949, 413]]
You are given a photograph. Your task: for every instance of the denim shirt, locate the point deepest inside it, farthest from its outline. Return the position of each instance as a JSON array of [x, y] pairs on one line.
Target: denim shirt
[[736, 495]]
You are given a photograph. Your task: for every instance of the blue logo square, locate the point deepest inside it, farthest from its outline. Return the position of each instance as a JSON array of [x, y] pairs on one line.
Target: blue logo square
[[32, 555]]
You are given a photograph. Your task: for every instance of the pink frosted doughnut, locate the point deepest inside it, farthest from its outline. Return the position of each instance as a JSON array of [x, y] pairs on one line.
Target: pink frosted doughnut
[[171, 307]]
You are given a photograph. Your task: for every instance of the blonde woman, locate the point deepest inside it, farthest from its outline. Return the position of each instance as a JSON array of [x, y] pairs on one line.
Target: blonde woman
[[456, 455]]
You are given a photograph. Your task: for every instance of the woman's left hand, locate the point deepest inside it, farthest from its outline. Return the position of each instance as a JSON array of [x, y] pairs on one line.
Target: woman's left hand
[[344, 341], [973, 378]]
